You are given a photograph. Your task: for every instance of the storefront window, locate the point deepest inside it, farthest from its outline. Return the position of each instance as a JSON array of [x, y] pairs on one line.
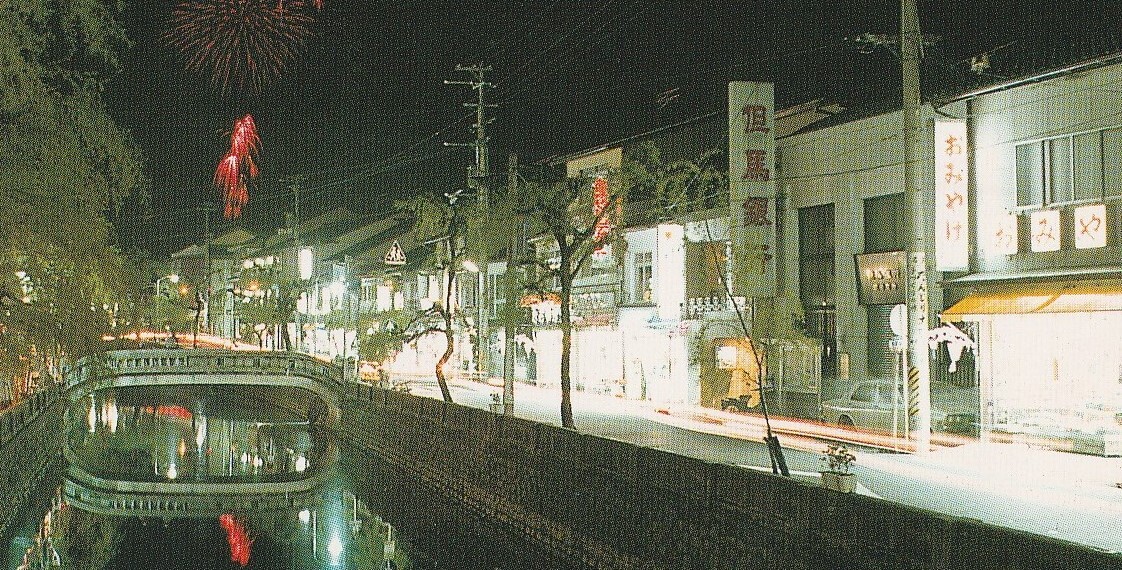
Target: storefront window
[[1046, 389]]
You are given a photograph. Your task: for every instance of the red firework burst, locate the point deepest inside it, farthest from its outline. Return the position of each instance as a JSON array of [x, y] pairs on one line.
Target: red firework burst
[[240, 43], [239, 167]]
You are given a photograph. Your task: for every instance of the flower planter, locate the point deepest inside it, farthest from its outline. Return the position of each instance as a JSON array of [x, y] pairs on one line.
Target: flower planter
[[843, 482]]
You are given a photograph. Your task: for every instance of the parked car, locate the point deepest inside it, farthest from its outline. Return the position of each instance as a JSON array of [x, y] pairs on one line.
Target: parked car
[[869, 404]]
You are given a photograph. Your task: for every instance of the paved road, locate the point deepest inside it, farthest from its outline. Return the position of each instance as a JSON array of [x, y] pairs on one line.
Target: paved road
[[1062, 495]]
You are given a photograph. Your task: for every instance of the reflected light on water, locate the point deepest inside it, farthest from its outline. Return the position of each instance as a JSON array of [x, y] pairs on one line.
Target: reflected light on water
[[91, 417], [237, 537]]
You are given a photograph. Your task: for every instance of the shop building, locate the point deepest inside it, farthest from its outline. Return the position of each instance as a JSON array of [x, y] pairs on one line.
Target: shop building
[[1043, 289]]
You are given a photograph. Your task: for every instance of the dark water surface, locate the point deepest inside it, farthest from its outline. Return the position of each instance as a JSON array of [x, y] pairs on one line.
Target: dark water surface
[[364, 514]]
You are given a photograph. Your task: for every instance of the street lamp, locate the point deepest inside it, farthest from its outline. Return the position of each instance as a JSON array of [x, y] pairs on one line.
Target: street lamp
[[173, 278]]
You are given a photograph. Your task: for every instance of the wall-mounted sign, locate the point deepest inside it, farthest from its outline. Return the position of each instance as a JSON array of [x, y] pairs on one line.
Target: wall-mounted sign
[[952, 235], [1045, 230], [1004, 238], [671, 271], [752, 187], [1090, 226], [880, 278], [396, 255]]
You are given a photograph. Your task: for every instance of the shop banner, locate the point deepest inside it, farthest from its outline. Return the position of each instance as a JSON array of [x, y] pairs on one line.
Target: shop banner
[[671, 271], [752, 187], [1045, 230], [1005, 237], [1090, 226], [952, 203]]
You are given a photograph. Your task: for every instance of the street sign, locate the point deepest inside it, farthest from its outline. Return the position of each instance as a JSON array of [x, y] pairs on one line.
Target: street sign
[[898, 319], [396, 255], [896, 343]]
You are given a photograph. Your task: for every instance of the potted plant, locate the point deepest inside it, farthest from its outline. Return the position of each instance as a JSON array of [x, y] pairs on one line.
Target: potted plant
[[835, 473]]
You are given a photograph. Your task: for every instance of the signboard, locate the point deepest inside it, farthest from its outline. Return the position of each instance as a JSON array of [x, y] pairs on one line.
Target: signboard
[[952, 204], [752, 187], [671, 271], [1090, 226], [1045, 230], [1004, 238], [880, 278], [396, 255]]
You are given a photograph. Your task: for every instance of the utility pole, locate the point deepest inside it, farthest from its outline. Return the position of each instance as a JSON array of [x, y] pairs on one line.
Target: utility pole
[[915, 208], [203, 297], [511, 309], [915, 356], [477, 180]]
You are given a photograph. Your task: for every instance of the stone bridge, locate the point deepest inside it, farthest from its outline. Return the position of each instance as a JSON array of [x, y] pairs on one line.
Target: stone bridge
[[198, 367]]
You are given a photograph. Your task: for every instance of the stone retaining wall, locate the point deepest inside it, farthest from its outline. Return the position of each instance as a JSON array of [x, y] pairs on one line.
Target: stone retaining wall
[[30, 441], [624, 506]]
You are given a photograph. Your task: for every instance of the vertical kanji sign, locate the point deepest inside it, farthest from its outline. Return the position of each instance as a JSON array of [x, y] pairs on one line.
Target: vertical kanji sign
[[952, 203], [752, 187]]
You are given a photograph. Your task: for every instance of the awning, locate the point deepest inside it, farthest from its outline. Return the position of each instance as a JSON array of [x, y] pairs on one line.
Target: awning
[[1038, 300], [1043, 276]]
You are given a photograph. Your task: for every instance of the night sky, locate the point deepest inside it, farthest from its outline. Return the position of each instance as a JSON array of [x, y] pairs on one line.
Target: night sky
[[361, 115]]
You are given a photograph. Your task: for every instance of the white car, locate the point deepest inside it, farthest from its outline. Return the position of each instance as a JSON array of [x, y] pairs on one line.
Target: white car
[[870, 404]]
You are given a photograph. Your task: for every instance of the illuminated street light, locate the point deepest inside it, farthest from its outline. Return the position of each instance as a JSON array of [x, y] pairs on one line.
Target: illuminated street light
[[173, 278]]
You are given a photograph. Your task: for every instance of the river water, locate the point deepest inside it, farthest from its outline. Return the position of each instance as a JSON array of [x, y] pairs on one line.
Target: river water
[[360, 513]]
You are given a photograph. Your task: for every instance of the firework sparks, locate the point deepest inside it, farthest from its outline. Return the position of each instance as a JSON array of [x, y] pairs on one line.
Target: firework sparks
[[240, 43], [239, 167]]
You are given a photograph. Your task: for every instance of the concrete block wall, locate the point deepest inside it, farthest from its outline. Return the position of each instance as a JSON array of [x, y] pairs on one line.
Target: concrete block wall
[[655, 509]]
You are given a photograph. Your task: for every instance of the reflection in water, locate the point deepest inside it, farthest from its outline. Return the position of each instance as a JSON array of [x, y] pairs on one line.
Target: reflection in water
[[341, 532], [237, 537], [200, 434], [197, 434]]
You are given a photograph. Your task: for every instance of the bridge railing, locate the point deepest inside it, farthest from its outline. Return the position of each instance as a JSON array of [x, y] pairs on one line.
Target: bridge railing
[[200, 361], [188, 505], [13, 418]]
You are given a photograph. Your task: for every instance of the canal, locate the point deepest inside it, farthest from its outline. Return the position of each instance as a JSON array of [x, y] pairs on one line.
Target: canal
[[236, 477]]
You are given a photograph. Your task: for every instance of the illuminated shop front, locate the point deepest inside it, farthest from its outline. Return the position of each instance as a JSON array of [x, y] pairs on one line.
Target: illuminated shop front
[[1050, 365]]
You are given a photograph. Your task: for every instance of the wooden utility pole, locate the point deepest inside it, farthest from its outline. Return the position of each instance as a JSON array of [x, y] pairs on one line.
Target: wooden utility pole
[[295, 187]]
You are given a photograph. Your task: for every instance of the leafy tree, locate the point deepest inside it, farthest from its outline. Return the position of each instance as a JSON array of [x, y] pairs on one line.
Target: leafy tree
[[435, 219], [564, 211], [680, 186], [170, 312], [271, 301], [387, 332], [66, 166]]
